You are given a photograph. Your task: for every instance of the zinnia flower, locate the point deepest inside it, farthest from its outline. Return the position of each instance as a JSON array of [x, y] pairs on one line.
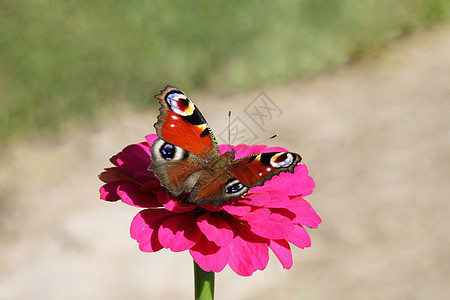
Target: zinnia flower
[[238, 233]]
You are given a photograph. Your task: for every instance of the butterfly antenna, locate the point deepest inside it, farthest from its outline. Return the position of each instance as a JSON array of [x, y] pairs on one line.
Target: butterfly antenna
[[264, 140], [261, 141], [229, 127]]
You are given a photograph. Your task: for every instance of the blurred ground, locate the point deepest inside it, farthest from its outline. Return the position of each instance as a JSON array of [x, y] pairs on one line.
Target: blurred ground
[[375, 136]]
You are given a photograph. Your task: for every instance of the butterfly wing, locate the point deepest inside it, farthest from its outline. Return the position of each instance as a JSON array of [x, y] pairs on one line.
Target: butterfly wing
[[256, 169], [180, 123], [239, 176], [177, 169], [186, 143]]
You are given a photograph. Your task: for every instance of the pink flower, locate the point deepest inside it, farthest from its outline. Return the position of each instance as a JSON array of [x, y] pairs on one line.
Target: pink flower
[[238, 233]]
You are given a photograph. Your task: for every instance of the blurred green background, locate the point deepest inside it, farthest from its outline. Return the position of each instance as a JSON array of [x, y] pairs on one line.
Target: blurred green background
[[65, 61]]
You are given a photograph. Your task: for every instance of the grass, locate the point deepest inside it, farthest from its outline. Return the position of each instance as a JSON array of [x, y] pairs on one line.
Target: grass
[[66, 60]]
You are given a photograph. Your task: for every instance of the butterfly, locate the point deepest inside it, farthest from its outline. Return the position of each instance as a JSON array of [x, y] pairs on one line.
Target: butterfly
[[186, 157]]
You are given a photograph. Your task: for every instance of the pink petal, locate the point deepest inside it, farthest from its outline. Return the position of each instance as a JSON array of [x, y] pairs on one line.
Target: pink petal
[[153, 186], [284, 212], [299, 237], [282, 250], [211, 207], [248, 252], [301, 172], [269, 225], [135, 158], [225, 148], [254, 198], [300, 188], [209, 256], [179, 232], [172, 203], [304, 213], [277, 199], [151, 138], [145, 155], [309, 186], [257, 214], [131, 194], [261, 189], [280, 182], [144, 228], [145, 176], [239, 148], [297, 183], [116, 173], [286, 182], [113, 159], [274, 149], [215, 228], [236, 210], [243, 150], [108, 191]]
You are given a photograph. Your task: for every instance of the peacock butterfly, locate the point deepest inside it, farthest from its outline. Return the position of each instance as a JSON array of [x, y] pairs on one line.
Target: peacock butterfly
[[186, 156]]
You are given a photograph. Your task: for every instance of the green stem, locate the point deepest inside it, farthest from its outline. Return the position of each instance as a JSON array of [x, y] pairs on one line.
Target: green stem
[[204, 284]]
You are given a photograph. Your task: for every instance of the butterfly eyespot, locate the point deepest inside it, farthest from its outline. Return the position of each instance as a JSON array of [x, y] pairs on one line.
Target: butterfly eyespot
[[234, 186], [180, 104], [167, 151], [282, 160]]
